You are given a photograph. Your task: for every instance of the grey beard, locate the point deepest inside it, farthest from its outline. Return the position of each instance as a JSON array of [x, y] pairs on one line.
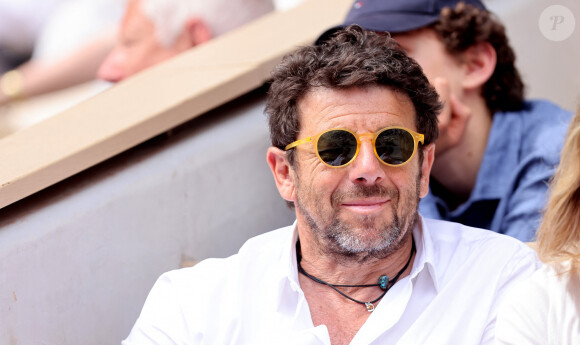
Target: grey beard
[[338, 240]]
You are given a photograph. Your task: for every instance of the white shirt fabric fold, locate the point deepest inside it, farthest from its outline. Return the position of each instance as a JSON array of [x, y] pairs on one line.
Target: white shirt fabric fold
[[458, 277]]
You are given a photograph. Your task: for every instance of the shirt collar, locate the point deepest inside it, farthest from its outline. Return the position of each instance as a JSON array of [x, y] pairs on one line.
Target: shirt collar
[[425, 256], [292, 266], [288, 265]]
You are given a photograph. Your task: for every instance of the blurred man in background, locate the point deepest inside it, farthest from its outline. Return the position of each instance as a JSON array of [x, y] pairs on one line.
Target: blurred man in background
[[156, 30]]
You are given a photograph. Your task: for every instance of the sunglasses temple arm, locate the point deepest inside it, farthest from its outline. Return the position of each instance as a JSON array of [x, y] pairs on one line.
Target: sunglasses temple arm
[[297, 142], [420, 138]]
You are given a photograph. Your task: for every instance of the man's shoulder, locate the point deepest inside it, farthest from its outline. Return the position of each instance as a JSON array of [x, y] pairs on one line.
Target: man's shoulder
[[446, 231], [541, 110], [471, 242], [260, 250], [490, 261], [544, 127], [271, 240], [539, 117], [269, 249], [536, 115]]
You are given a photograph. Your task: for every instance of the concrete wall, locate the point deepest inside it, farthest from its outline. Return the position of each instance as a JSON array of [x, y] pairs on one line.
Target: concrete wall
[[549, 68], [78, 259]]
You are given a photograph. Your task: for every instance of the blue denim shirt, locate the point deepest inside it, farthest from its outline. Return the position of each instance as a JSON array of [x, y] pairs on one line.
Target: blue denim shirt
[[523, 150]]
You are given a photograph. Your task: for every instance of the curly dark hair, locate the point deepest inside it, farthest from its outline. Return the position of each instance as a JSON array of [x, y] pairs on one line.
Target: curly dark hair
[[465, 25], [353, 57]]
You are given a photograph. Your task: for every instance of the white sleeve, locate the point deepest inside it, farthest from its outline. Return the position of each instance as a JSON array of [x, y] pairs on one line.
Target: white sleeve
[[161, 321], [522, 315], [521, 266]]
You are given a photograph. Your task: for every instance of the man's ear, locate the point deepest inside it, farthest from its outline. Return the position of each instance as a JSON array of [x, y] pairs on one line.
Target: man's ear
[[283, 173], [479, 61], [428, 158], [194, 32]]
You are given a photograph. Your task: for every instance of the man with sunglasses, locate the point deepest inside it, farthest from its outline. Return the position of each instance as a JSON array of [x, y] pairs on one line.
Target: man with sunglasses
[[352, 125], [496, 151]]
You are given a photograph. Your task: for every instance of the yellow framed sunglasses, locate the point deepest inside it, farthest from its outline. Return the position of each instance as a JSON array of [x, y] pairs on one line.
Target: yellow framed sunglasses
[[338, 147]]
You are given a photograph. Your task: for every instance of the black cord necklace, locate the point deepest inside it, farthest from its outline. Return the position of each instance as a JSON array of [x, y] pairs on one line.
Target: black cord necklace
[[384, 283]]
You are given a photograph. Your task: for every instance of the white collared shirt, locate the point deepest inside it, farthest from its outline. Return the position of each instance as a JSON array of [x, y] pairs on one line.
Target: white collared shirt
[[458, 278]]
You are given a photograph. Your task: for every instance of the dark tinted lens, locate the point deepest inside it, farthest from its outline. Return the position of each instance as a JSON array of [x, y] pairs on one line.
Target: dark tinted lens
[[395, 146], [336, 147]]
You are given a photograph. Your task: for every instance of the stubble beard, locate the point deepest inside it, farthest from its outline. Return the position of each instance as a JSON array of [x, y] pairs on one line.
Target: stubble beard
[[371, 240]]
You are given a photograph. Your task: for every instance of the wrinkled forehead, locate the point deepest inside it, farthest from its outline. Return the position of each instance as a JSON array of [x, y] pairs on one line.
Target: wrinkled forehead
[[365, 108]]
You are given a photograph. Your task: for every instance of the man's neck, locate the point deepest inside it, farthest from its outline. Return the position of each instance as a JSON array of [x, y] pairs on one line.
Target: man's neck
[[336, 268], [342, 316], [456, 169]]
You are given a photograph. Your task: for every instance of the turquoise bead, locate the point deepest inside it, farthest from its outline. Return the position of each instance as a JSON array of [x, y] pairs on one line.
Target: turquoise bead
[[383, 281]]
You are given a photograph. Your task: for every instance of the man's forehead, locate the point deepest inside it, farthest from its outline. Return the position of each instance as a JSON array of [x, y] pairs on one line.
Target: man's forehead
[[416, 35], [324, 97], [133, 8], [135, 19], [336, 105]]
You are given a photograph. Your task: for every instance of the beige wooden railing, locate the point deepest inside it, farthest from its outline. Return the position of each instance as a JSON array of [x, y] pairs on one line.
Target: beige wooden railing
[[157, 100]]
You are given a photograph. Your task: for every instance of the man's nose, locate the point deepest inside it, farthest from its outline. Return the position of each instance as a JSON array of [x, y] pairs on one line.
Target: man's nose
[[366, 168], [112, 69]]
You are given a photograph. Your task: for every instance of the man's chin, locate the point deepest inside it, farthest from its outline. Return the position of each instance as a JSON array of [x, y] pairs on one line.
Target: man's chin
[[369, 234]]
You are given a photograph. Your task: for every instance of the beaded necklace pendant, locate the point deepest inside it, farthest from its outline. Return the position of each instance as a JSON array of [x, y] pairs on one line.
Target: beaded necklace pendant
[[383, 282], [370, 306]]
